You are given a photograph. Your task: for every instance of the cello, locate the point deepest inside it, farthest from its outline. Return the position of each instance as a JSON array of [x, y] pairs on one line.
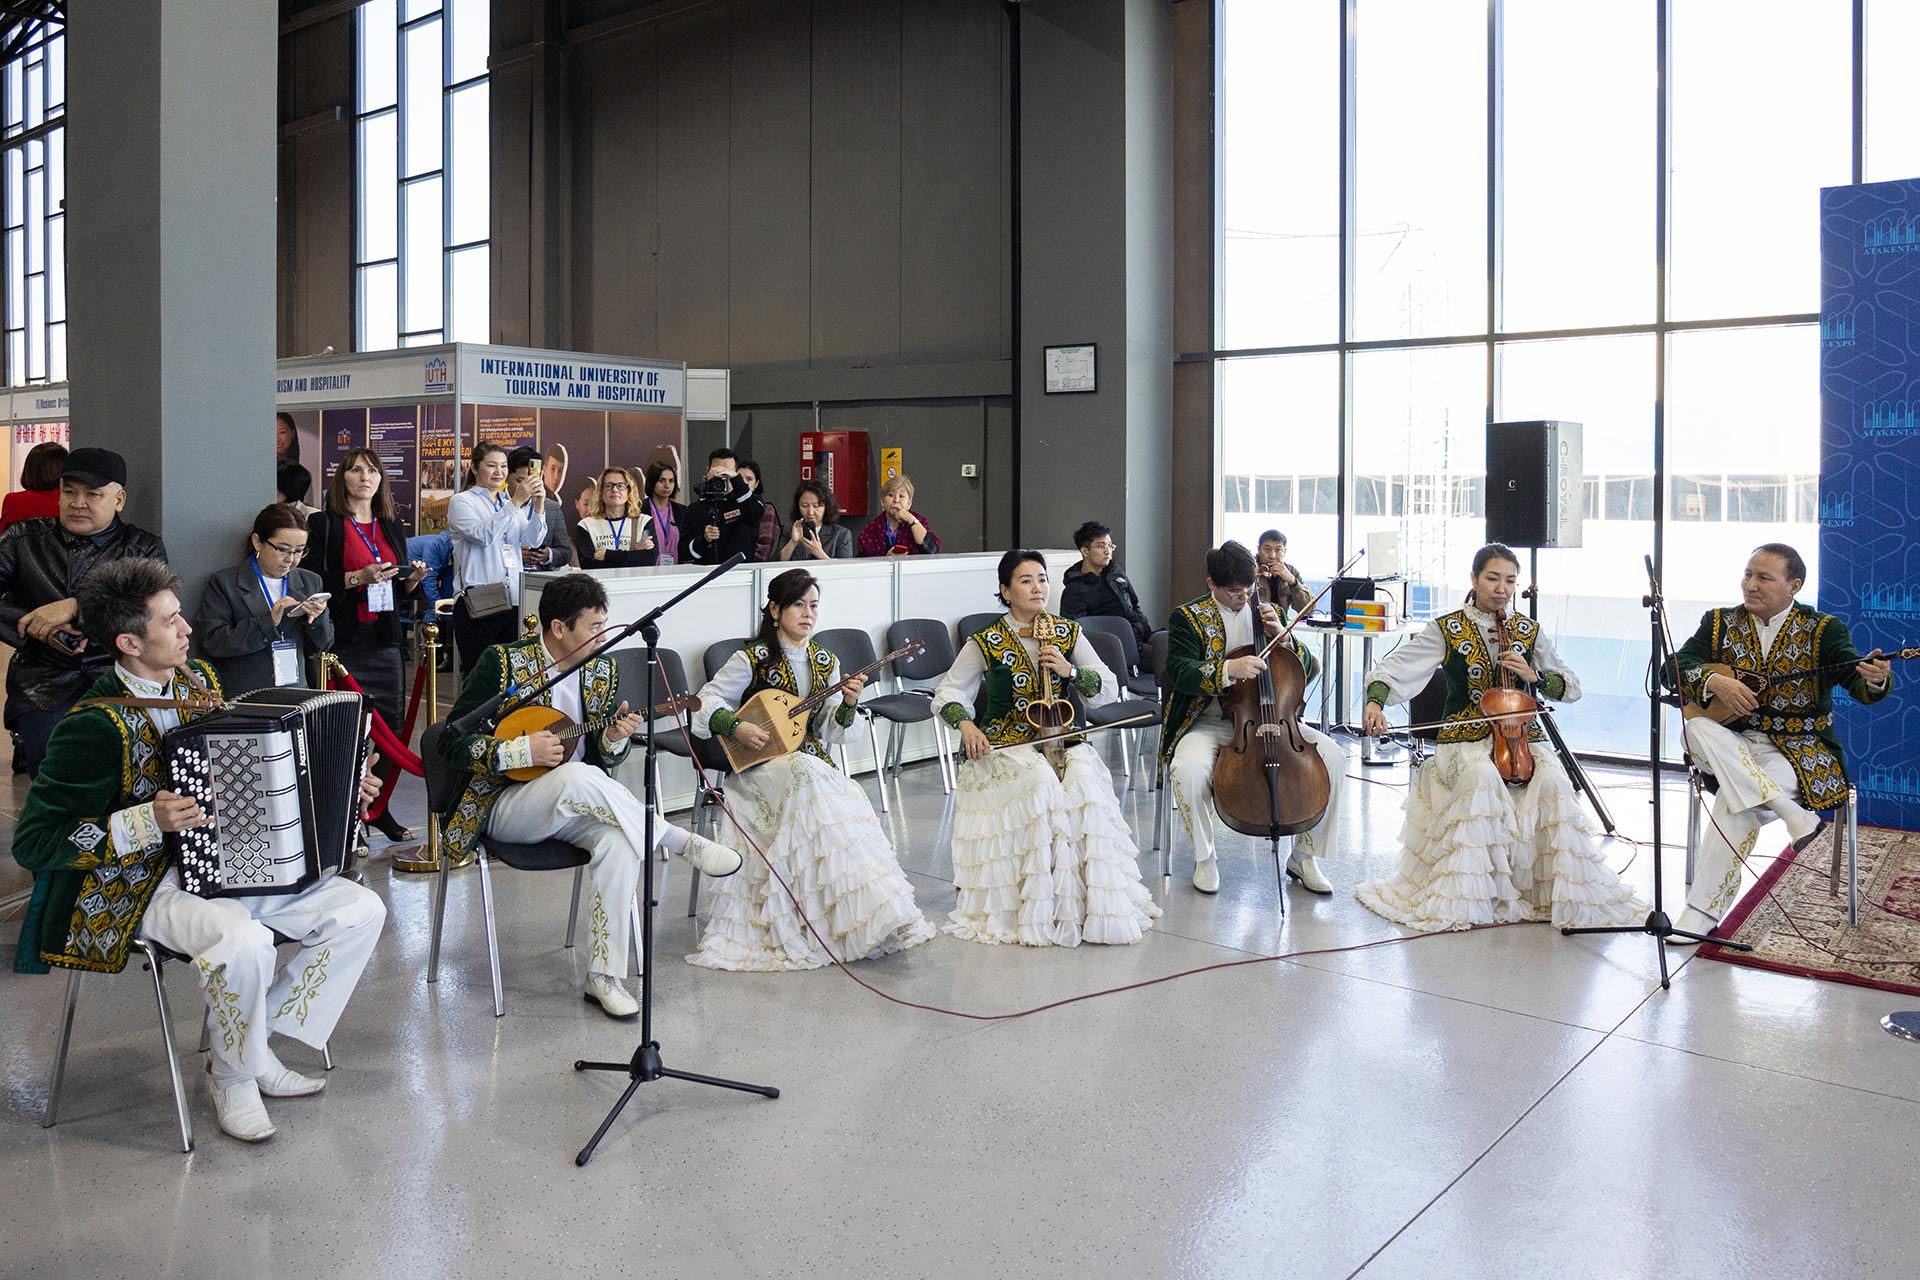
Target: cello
[[1513, 707], [1268, 780]]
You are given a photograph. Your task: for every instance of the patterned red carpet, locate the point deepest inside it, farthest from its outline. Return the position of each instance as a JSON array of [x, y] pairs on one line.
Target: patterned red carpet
[[1795, 926]]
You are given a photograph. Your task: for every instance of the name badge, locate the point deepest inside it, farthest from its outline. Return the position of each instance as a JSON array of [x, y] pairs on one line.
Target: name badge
[[286, 663], [380, 596]]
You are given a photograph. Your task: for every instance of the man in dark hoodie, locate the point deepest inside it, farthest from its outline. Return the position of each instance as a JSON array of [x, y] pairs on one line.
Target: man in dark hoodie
[[1098, 587]]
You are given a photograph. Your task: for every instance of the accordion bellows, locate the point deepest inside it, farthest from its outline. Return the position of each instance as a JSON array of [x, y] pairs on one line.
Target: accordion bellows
[[278, 770]]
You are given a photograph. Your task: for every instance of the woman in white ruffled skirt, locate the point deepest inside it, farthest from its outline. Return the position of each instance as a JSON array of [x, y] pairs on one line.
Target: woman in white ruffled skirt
[[812, 822], [1478, 850], [1039, 859]]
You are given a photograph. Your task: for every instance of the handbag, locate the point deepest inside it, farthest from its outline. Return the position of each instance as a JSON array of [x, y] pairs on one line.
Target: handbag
[[485, 599]]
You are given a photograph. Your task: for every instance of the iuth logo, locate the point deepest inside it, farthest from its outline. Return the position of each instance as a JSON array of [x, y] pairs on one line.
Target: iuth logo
[[1894, 233], [436, 379], [1838, 330]]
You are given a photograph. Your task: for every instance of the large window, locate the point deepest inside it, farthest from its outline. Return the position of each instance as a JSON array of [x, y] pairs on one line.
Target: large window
[[1584, 210], [33, 86], [422, 162]]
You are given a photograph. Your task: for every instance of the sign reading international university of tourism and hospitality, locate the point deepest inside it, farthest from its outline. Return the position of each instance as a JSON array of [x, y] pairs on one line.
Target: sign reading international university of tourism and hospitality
[[1870, 472]]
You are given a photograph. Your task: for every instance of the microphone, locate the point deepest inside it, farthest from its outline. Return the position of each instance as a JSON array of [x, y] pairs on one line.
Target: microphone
[[471, 722]]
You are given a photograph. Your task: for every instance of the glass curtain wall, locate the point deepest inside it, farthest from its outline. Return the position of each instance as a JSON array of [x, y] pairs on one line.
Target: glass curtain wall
[[423, 174], [33, 89], [1440, 213]]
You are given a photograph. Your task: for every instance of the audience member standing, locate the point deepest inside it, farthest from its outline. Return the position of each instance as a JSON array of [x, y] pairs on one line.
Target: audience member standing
[[42, 564], [38, 497]]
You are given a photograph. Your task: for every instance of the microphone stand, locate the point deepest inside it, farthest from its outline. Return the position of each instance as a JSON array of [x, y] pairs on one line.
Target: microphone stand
[[645, 1065], [1656, 925]]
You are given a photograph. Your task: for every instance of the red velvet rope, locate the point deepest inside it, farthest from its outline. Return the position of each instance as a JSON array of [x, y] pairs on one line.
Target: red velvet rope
[[384, 741]]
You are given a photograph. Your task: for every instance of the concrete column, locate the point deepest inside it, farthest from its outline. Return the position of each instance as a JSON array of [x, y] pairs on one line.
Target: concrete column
[[1096, 243], [170, 261]]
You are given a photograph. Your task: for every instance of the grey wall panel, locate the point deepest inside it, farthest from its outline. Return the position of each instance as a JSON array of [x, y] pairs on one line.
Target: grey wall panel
[[315, 233], [693, 172], [769, 282], [614, 85], [856, 182], [954, 280], [511, 215]]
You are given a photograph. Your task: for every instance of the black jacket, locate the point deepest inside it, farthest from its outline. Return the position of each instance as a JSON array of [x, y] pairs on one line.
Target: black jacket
[[41, 563], [739, 528], [326, 552], [1104, 595], [232, 627]]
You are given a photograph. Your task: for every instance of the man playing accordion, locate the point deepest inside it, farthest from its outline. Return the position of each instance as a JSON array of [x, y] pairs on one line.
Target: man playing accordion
[[93, 833]]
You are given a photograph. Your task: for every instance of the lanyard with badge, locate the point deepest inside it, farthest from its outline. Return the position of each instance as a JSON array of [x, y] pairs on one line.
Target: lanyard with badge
[[379, 593], [286, 654]]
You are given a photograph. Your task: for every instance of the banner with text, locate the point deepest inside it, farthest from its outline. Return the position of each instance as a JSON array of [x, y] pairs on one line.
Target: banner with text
[[1870, 472]]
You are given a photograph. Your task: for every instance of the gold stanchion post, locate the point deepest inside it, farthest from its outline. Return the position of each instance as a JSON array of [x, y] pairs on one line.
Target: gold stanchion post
[[423, 858]]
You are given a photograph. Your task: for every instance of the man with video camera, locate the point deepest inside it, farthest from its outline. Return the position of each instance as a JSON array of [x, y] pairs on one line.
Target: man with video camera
[[726, 512]]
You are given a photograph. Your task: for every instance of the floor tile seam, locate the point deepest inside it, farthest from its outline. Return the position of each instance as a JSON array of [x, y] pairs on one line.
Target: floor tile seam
[[1473, 1164], [1306, 963], [1756, 1066]]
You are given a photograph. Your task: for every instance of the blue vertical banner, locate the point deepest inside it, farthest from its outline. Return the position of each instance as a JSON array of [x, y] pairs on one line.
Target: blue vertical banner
[[1870, 472]]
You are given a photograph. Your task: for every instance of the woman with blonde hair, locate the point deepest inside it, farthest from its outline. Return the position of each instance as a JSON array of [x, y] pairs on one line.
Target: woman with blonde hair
[[614, 533], [900, 530]]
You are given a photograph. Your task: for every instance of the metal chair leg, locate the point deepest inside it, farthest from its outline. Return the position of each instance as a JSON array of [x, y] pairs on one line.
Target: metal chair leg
[[879, 764], [1693, 832], [633, 938], [59, 1072], [943, 751], [573, 907], [326, 1056], [693, 892], [166, 1039], [1853, 856], [439, 916], [493, 943]]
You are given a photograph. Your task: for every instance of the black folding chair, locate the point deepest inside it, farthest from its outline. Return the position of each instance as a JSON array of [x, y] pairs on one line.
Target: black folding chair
[[1108, 649], [854, 648], [928, 666], [1138, 682]]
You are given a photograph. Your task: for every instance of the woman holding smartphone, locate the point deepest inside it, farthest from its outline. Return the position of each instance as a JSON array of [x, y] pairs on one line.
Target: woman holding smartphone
[[355, 543], [262, 620], [817, 532]]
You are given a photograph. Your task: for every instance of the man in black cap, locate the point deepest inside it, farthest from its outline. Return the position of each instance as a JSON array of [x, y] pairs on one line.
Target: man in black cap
[[42, 564]]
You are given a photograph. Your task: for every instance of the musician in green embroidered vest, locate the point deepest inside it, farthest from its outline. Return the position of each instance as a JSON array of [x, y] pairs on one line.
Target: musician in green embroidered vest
[[575, 800], [1477, 849], [1039, 859], [93, 835], [1781, 759], [813, 823], [1200, 635]]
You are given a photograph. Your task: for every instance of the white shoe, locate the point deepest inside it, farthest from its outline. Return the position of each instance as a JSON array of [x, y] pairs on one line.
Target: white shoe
[[712, 859], [1693, 920], [613, 998], [1206, 875], [241, 1113], [283, 1081], [1305, 868]]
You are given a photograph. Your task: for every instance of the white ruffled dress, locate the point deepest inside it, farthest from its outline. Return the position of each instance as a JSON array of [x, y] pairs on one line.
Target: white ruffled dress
[[1038, 860], [818, 829], [1477, 851]]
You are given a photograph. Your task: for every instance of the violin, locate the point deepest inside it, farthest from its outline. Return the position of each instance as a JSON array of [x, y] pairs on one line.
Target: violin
[[1511, 755], [1049, 714], [1268, 780]]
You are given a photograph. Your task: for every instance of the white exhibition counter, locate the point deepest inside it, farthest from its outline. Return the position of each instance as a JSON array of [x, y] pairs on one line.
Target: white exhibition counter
[[869, 594]]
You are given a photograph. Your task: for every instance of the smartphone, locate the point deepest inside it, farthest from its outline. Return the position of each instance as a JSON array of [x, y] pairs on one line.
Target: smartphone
[[70, 640], [318, 597], [809, 528]]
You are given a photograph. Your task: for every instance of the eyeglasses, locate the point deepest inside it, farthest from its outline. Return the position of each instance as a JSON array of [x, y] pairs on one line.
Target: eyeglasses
[[613, 484], [1105, 544], [292, 553]]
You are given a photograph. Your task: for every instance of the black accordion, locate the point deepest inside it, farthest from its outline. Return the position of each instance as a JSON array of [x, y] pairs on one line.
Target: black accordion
[[278, 770]]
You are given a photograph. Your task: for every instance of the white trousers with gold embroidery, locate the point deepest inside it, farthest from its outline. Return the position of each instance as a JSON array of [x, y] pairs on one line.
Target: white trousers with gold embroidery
[[1755, 777], [1192, 778], [582, 805], [230, 941]]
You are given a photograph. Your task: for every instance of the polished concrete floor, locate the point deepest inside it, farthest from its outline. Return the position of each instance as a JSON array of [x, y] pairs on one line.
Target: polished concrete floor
[[1501, 1103]]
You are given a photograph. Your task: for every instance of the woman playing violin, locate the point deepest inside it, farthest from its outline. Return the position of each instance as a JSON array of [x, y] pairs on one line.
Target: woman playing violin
[[1040, 858], [1480, 849]]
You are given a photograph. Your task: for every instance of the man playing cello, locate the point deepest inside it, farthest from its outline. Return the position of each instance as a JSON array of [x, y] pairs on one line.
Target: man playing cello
[[1200, 634], [1781, 754]]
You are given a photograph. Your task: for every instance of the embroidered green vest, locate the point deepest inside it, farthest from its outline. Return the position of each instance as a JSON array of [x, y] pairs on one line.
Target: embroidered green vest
[[501, 667], [1471, 671], [771, 671], [1797, 713], [101, 759], [1012, 680]]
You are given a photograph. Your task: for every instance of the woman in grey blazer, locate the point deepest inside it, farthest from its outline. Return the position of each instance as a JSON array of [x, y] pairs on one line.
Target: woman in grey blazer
[[264, 602], [816, 532]]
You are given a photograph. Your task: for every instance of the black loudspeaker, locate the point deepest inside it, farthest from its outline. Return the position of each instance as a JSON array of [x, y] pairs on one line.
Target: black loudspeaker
[[1536, 489]]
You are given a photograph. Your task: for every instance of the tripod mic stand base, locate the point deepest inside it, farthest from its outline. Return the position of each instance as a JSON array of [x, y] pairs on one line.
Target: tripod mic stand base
[[1659, 928], [644, 1068]]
